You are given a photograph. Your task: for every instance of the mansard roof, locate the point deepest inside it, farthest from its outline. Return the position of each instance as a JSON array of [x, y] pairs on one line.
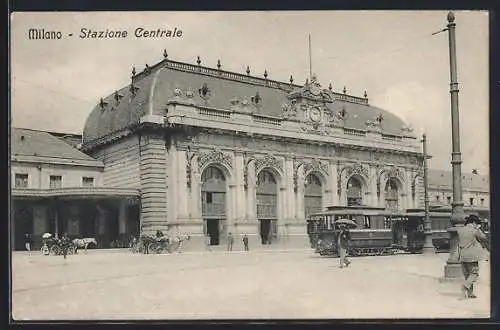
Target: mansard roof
[[151, 89], [40, 146]]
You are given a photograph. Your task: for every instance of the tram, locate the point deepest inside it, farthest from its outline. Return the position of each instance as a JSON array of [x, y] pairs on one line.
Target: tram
[[378, 231], [383, 232]]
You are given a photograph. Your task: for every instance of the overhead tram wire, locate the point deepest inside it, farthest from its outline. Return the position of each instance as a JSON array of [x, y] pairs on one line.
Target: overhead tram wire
[[54, 91]]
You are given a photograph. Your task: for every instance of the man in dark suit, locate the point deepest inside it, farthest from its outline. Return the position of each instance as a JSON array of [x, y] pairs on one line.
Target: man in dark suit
[[470, 251]]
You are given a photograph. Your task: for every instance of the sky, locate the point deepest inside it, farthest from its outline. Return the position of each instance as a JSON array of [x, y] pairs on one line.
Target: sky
[[390, 54]]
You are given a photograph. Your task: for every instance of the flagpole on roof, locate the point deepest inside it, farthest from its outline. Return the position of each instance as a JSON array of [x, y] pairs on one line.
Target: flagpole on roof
[[310, 57]]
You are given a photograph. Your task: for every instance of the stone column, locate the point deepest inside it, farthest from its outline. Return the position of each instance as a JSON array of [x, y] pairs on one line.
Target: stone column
[[122, 217]]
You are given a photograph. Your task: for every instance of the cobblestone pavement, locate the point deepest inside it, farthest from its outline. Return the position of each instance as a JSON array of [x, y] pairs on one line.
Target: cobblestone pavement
[[237, 285]]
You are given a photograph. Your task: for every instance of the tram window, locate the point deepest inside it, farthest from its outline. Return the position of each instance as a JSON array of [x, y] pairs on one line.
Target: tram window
[[209, 198], [387, 223], [367, 223]]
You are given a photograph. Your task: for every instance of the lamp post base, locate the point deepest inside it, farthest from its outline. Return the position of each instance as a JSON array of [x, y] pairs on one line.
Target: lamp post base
[[428, 250]]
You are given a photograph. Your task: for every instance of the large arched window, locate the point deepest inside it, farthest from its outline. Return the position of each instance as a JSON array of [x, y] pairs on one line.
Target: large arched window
[[354, 191], [391, 194], [267, 201], [313, 195], [213, 201]]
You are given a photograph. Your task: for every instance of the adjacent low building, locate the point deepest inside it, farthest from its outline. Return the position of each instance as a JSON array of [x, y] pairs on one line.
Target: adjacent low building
[[475, 189], [57, 188]]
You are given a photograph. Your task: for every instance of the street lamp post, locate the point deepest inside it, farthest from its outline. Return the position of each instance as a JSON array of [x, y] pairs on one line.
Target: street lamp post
[[452, 269], [428, 247]]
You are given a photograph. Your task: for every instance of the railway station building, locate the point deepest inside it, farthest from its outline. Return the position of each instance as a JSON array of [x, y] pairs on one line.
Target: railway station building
[[208, 152]]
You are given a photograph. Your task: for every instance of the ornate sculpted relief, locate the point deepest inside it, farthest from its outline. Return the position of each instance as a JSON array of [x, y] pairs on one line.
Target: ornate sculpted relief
[[246, 161], [334, 118], [205, 92], [289, 109], [214, 156], [316, 165], [349, 170], [387, 173], [296, 165], [357, 168], [189, 166], [268, 161]]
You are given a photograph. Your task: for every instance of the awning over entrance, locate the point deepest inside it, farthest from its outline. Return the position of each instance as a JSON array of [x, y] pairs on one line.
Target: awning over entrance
[[77, 192]]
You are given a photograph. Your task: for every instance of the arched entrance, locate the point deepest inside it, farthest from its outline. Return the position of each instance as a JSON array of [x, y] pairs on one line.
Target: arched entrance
[[354, 191], [213, 202], [23, 217], [313, 194], [391, 193], [267, 201]]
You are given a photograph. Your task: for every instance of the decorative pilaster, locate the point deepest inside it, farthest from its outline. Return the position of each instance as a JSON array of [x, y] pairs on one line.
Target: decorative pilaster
[[409, 197], [195, 206], [182, 187], [239, 180], [374, 186], [251, 191], [300, 208], [333, 197], [289, 194]]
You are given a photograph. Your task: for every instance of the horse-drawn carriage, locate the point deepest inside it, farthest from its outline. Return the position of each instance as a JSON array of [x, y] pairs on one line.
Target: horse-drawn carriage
[[157, 244], [54, 246]]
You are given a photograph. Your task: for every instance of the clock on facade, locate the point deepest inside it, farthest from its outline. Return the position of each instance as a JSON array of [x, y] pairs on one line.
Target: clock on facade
[[315, 114]]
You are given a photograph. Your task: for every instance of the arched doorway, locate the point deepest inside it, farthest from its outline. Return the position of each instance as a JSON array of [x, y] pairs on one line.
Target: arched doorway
[[213, 202], [354, 191], [267, 201], [391, 193], [313, 195]]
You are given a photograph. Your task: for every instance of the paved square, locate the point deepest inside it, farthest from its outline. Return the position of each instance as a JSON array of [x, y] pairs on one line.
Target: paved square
[[221, 285]]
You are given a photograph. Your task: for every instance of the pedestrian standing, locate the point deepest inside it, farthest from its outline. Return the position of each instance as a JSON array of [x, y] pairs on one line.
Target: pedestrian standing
[[470, 238], [230, 241], [27, 242], [245, 242], [343, 244], [207, 243], [65, 242]]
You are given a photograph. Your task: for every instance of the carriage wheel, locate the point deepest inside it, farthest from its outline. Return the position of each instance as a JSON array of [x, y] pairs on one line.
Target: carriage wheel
[[45, 250], [54, 250]]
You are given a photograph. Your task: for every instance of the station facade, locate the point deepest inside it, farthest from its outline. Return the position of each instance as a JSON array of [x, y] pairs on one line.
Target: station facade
[[215, 152]]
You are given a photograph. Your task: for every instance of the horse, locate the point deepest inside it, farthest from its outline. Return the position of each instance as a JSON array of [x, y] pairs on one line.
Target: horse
[[83, 243]]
